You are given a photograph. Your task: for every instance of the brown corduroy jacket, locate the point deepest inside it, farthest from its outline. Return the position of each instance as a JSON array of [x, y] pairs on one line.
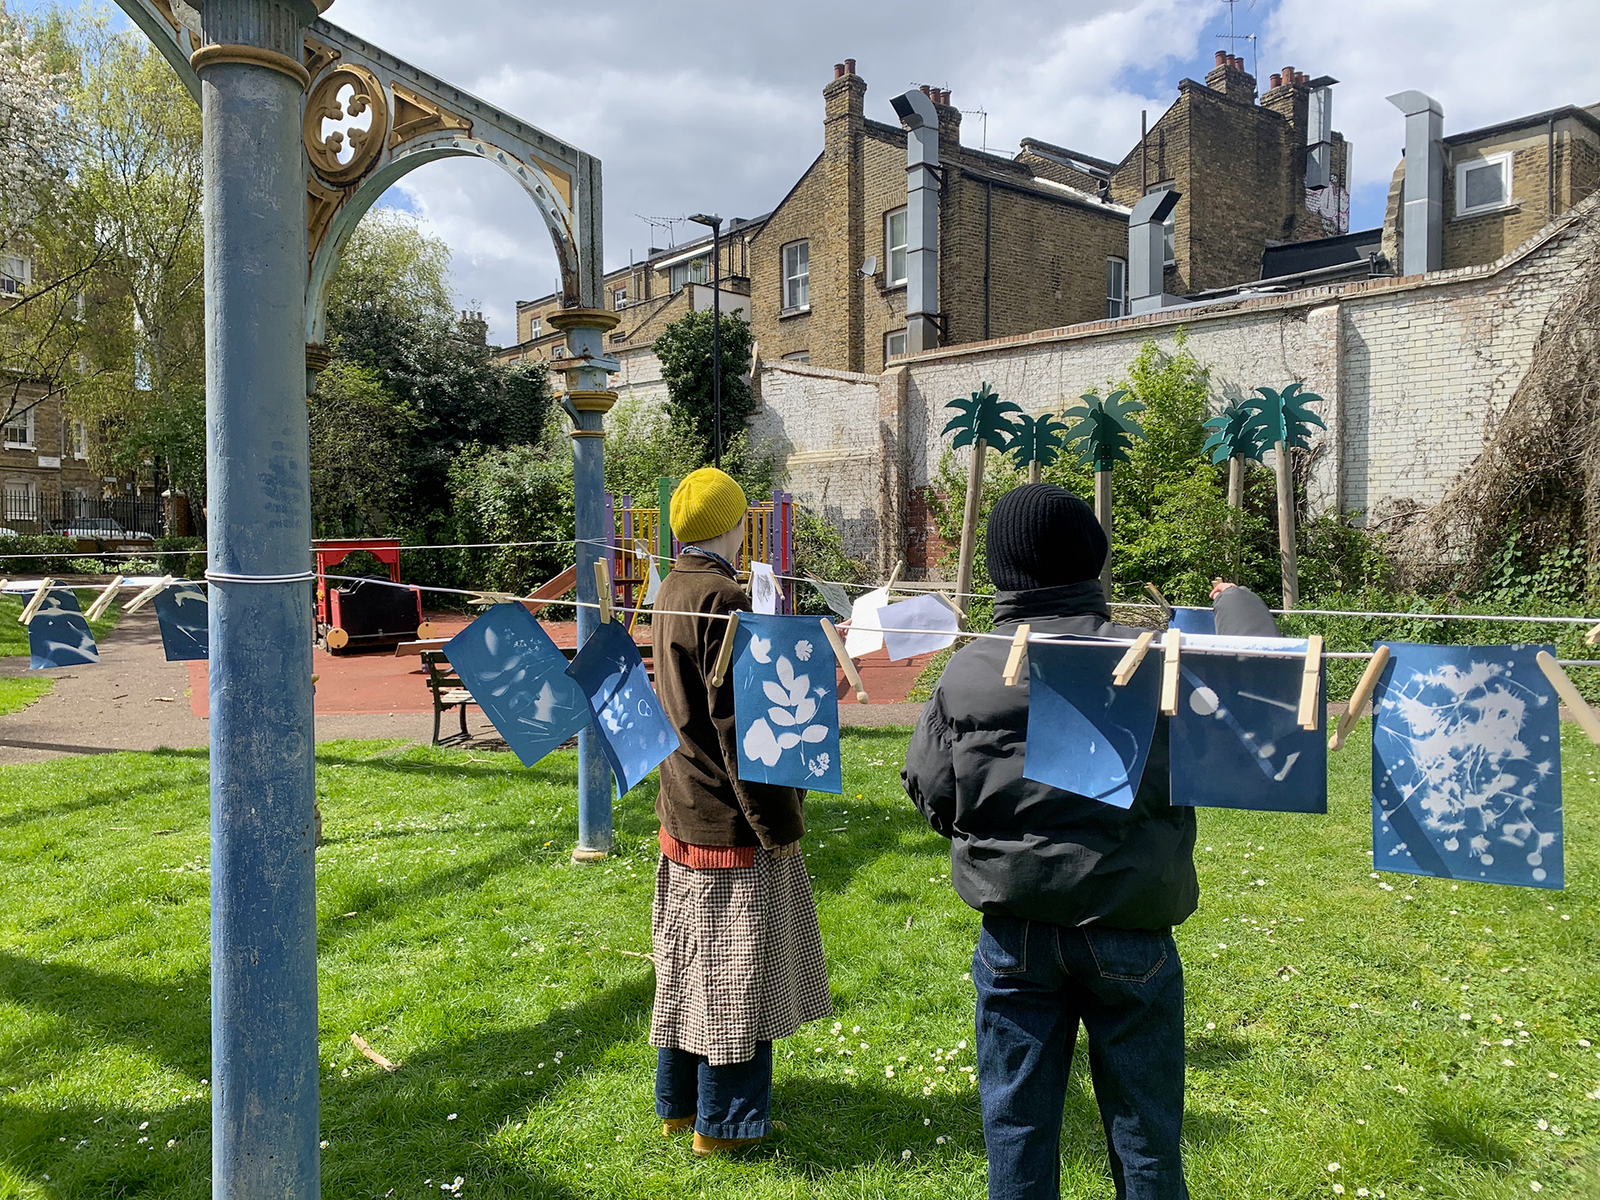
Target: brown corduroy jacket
[[701, 801]]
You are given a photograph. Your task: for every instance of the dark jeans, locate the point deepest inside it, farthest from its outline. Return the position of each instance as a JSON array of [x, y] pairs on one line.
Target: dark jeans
[[731, 1101], [1035, 982]]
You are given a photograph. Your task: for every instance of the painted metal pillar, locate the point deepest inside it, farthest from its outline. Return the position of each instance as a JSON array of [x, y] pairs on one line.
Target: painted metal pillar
[[588, 399], [263, 893]]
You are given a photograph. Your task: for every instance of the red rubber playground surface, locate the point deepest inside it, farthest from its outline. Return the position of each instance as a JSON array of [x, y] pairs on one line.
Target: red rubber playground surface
[[378, 681]]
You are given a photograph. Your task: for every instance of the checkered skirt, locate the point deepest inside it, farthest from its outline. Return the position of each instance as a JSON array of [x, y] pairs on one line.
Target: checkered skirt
[[738, 957]]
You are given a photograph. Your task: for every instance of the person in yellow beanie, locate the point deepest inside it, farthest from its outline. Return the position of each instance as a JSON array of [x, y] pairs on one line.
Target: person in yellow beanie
[[738, 954]]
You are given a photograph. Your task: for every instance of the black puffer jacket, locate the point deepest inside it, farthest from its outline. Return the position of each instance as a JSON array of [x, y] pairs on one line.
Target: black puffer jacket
[[1026, 849]]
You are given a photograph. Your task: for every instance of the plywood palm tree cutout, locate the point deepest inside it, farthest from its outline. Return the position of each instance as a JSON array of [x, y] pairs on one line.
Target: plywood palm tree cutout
[[1105, 431], [1037, 442], [982, 420], [1235, 440], [1284, 422]]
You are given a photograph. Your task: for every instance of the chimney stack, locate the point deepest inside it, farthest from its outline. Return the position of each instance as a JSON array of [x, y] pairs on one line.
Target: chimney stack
[[1231, 79]]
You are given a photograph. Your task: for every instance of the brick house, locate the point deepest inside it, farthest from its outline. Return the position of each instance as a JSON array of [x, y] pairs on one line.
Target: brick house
[[648, 296], [1018, 248], [45, 474], [1505, 182], [1250, 175]]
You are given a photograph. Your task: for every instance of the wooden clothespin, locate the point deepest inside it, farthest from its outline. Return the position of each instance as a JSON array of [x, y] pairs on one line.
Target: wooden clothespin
[[894, 576], [487, 599], [1359, 697], [33, 605], [1581, 712], [1131, 660], [602, 587], [1592, 637], [1019, 647], [149, 594], [1309, 681], [103, 600], [719, 669], [846, 664], [961, 617], [1169, 672]]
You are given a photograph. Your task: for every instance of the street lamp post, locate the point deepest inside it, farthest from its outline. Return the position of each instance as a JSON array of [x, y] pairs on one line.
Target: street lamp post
[[715, 222]]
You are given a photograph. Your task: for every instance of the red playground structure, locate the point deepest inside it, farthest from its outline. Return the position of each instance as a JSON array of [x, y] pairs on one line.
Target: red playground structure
[[355, 615]]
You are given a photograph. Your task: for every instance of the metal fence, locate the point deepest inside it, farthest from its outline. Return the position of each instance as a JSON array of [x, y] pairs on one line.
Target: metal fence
[[27, 511]]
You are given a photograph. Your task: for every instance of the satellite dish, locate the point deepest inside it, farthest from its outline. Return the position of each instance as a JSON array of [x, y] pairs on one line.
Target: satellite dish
[[870, 267]]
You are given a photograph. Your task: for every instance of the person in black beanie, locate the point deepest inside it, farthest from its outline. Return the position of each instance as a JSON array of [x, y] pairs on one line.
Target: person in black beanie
[[1078, 897]]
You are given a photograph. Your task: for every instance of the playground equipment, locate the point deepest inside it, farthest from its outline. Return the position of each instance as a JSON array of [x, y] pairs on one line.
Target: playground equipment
[[304, 126], [359, 615]]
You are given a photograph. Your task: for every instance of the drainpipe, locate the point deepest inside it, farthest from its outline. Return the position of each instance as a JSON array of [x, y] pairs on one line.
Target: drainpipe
[[916, 112], [1423, 198], [988, 237]]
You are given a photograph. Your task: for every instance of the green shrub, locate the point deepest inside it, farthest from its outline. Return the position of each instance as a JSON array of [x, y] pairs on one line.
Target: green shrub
[[171, 559], [31, 544]]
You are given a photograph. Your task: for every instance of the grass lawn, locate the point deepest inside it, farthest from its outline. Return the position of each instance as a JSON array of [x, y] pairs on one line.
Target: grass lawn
[[1422, 1036], [16, 694]]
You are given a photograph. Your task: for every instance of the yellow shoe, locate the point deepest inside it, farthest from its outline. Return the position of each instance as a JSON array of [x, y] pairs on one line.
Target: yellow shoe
[[705, 1146], [676, 1125]]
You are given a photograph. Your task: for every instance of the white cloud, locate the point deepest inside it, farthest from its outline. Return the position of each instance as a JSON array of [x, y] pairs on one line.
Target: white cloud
[[695, 107]]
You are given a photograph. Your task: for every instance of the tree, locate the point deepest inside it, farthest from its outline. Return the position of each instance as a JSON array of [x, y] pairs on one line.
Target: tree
[[35, 138], [361, 437], [684, 349]]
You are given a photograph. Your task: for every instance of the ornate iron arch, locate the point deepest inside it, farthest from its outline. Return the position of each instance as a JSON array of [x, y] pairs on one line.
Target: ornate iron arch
[[416, 118]]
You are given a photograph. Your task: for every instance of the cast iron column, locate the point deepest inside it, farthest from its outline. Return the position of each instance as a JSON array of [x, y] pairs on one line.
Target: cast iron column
[[263, 887], [590, 400]]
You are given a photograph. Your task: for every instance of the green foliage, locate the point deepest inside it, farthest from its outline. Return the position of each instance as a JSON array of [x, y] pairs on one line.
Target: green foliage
[[16, 694], [22, 544], [684, 349], [1037, 439], [362, 440], [169, 560], [513, 494], [819, 552], [981, 415], [643, 443], [1521, 570], [1104, 427]]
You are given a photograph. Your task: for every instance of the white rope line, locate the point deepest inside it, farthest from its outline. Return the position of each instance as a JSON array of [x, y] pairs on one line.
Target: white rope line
[[229, 577]]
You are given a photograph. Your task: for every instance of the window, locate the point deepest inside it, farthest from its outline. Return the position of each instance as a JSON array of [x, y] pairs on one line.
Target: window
[[535, 328], [1169, 240], [619, 298], [80, 440], [1116, 287], [19, 501], [694, 271], [1483, 184], [798, 356], [894, 247], [894, 343], [19, 431], [796, 276], [14, 272], [558, 351]]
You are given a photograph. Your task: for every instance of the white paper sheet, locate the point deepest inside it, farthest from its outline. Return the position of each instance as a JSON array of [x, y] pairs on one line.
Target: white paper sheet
[[763, 589], [864, 612], [923, 613]]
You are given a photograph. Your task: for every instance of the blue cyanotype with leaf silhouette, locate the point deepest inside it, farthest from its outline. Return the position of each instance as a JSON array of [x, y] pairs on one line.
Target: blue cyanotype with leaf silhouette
[[1085, 735], [785, 707], [58, 636], [184, 616]]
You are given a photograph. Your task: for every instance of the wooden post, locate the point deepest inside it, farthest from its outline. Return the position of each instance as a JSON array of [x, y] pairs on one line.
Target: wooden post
[[1102, 510], [969, 524], [1033, 471], [1286, 552], [1236, 482]]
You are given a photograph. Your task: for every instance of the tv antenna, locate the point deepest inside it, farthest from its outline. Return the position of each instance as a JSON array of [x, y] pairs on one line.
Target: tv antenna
[[666, 223], [984, 114], [1232, 37]]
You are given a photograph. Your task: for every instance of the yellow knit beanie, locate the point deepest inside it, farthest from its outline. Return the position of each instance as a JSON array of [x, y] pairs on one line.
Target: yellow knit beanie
[[707, 504]]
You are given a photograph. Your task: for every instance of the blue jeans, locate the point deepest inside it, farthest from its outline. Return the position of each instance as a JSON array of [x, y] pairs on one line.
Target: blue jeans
[[1035, 982], [731, 1101]]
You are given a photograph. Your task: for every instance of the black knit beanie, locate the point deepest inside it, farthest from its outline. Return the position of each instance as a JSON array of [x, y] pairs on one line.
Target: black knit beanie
[[1041, 536]]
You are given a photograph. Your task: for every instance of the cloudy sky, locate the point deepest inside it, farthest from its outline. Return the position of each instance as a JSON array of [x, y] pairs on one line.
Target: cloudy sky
[[717, 107]]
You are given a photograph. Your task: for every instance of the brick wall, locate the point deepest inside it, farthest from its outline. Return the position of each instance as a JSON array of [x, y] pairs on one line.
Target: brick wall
[[1413, 372]]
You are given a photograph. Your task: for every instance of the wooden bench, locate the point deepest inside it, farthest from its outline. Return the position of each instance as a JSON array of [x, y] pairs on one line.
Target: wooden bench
[[447, 690]]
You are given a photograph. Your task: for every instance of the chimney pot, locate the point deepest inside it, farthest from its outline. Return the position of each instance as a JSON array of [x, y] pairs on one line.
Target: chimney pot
[[1221, 57], [927, 91], [945, 96], [1238, 63], [849, 66], [838, 70], [1303, 79], [1288, 75], [1276, 80]]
